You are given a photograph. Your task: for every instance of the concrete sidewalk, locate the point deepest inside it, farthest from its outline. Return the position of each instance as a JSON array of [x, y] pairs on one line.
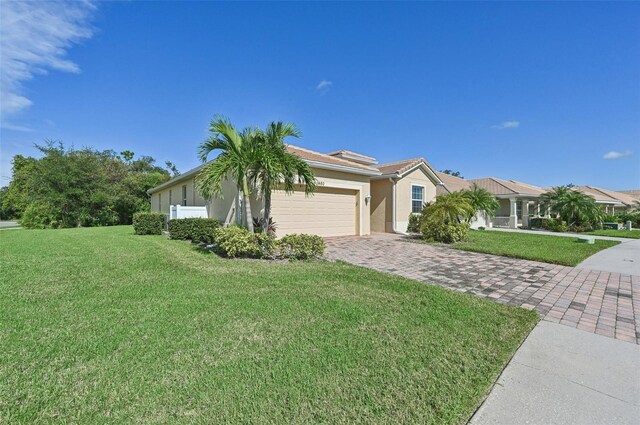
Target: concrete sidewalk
[[562, 375], [623, 258]]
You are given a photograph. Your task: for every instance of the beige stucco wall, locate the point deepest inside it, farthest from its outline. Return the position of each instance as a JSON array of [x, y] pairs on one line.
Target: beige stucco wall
[[381, 207], [172, 195], [223, 208], [403, 195]]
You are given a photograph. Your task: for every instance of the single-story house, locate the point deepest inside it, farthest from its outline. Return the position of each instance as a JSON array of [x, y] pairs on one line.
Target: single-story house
[[354, 196], [518, 201], [610, 200]]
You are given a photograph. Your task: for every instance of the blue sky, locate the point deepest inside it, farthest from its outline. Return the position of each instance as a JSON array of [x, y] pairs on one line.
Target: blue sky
[[537, 92]]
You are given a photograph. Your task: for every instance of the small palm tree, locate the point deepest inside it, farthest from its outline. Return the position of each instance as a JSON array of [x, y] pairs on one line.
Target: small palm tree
[[277, 168], [572, 206], [449, 209], [481, 200], [237, 156]]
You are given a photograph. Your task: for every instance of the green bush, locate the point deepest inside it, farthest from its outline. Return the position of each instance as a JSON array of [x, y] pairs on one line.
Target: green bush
[[551, 224], [608, 218], [414, 223], [148, 223], [40, 216], [633, 217], [435, 230], [235, 241], [193, 229], [300, 246]]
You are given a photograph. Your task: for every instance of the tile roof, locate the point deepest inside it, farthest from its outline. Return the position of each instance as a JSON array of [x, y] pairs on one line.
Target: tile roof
[[354, 154], [327, 159], [605, 195], [633, 193], [400, 167], [507, 187], [451, 184]]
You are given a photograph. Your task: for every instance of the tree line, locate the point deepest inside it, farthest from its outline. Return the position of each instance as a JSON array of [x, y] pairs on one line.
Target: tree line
[[68, 187]]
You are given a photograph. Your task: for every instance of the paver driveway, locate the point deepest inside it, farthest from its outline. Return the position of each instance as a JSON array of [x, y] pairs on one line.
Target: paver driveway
[[601, 302]]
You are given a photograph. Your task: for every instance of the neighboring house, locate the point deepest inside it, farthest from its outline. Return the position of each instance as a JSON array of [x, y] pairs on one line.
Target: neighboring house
[[518, 201], [635, 194], [610, 200]]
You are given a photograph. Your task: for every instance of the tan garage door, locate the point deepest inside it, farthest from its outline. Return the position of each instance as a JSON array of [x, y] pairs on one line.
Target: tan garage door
[[328, 212]]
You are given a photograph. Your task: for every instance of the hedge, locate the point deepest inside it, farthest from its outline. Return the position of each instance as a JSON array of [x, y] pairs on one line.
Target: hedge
[[148, 223], [193, 229], [300, 246]]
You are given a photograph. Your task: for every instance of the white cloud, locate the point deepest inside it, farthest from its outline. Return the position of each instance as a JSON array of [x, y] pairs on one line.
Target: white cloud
[[324, 85], [507, 124], [617, 155], [35, 37]]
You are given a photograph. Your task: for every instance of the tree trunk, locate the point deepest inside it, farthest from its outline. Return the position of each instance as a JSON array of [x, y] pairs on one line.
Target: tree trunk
[[267, 212], [247, 204]]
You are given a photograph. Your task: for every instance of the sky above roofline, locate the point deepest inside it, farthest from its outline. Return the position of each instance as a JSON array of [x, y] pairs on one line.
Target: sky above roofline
[[541, 93]]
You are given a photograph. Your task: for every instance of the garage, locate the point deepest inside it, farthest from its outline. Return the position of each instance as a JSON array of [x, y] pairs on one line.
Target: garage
[[328, 212]]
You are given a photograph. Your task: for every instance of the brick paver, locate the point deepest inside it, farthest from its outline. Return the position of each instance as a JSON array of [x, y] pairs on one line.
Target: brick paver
[[601, 302]]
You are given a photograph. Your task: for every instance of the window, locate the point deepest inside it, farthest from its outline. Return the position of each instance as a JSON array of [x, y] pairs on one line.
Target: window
[[417, 199], [184, 195]]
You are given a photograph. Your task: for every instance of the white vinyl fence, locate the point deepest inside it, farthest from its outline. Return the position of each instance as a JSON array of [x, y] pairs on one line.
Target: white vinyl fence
[[178, 211]]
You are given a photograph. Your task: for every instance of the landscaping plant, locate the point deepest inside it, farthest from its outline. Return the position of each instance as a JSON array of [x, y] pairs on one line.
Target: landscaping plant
[[238, 151], [573, 207], [482, 200], [447, 219], [193, 229], [300, 246], [148, 223]]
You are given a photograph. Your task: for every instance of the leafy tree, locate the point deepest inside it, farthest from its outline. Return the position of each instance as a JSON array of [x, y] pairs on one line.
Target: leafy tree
[[452, 173], [276, 168], [127, 155], [235, 161], [172, 167], [69, 188], [481, 199]]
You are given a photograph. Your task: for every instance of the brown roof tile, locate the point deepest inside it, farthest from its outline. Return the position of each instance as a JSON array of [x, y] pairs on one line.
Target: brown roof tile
[[451, 184], [633, 193], [507, 187], [321, 157]]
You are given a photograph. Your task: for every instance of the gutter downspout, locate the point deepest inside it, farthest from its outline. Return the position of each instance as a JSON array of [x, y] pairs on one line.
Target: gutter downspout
[[393, 204]]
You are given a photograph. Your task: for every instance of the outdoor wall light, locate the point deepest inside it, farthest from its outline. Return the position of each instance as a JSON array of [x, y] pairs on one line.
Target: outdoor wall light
[[367, 198]]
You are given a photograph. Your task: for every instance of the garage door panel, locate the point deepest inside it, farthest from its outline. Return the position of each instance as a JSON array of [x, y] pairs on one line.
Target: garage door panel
[[328, 212]]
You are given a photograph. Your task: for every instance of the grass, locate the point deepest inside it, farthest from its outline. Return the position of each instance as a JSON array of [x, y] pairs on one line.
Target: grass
[[98, 325], [633, 234], [548, 249]]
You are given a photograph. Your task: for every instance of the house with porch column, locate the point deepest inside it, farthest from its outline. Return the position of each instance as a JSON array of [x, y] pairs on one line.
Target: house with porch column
[[518, 201]]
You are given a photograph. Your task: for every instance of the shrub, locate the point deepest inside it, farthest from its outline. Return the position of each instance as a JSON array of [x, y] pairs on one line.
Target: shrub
[[300, 246], [193, 229], [148, 223], [234, 241], [414, 223], [551, 224], [439, 231], [481, 228], [633, 217], [608, 218], [258, 225], [40, 216]]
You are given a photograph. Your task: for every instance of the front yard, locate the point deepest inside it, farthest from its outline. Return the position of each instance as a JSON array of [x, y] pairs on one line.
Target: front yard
[[633, 234], [98, 325], [548, 249]]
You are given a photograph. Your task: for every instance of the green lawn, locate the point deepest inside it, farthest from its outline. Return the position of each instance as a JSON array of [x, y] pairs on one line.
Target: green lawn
[[98, 325], [633, 234], [549, 249]]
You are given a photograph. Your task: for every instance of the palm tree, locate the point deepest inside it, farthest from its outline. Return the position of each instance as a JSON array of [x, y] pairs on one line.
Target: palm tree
[[572, 206], [276, 168], [237, 156], [481, 200], [449, 209]]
